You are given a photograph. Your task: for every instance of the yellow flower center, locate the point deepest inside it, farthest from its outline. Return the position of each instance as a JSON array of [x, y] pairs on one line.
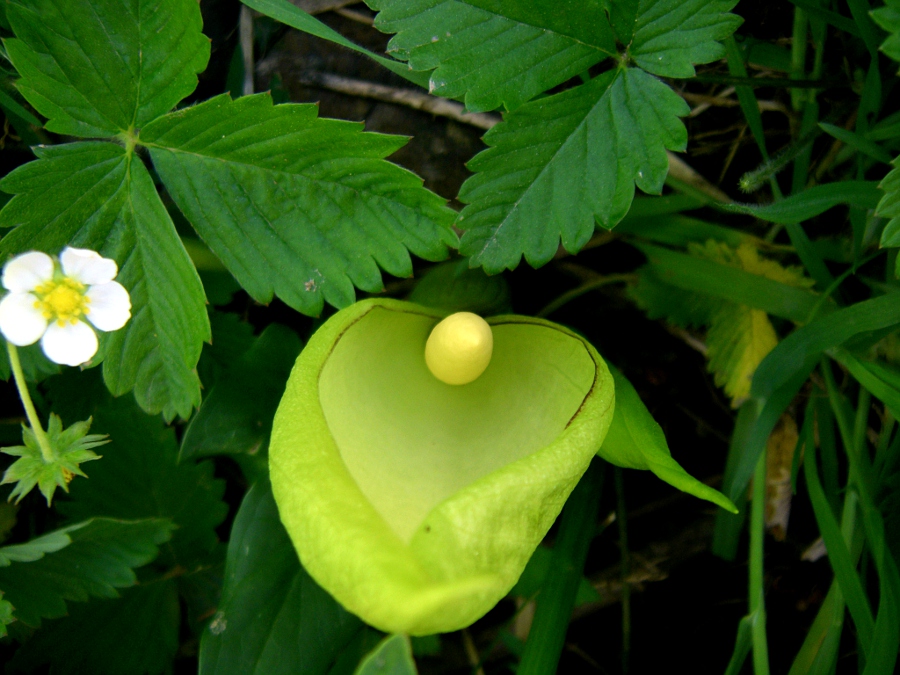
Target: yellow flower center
[[62, 300]]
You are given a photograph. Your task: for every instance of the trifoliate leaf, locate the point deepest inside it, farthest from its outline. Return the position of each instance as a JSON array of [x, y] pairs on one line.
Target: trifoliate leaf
[[273, 619], [101, 67], [739, 338], [496, 52], [303, 208], [98, 196], [557, 164], [139, 476], [136, 633], [91, 558], [69, 448]]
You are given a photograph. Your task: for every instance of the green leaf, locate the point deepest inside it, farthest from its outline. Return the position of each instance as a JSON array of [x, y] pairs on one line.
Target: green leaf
[[535, 575], [98, 196], [739, 338], [273, 619], [392, 656], [137, 633], [35, 365], [725, 280], [889, 207], [304, 208], [812, 201], [636, 441], [91, 558], [661, 300], [285, 12], [139, 476], [557, 164], [455, 287], [6, 615], [888, 17], [101, 67], [670, 36], [236, 416], [496, 52], [857, 141], [800, 350]]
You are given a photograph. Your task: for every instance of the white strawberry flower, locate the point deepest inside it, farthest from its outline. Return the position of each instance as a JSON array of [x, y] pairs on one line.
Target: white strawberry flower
[[58, 302]]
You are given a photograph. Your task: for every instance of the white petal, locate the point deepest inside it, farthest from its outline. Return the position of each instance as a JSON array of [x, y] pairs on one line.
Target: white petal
[[27, 271], [86, 266], [70, 344], [20, 321], [109, 307]]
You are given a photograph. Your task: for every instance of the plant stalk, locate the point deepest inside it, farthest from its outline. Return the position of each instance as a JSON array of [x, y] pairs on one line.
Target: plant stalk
[[33, 419]]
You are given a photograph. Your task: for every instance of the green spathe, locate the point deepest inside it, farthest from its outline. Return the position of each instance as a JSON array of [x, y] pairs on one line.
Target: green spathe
[[417, 504]]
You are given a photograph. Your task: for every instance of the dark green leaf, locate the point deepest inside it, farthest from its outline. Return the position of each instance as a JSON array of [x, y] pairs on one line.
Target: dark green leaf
[[670, 36], [102, 67], [139, 475], [393, 656], [679, 230], [535, 575], [98, 196], [273, 618], [888, 17], [800, 350], [730, 283], [889, 206], [636, 441], [92, 558], [881, 381], [496, 52], [857, 141], [134, 634], [664, 301], [231, 338], [557, 164], [842, 562], [35, 366], [303, 208], [812, 201], [236, 416], [454, 287]]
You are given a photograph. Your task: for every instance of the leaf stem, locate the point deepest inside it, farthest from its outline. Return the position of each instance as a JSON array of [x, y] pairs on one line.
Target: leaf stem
[[757, 597], [30, 412]]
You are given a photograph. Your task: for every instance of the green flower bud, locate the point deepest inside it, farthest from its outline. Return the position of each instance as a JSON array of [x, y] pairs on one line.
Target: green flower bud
[[417, 503]]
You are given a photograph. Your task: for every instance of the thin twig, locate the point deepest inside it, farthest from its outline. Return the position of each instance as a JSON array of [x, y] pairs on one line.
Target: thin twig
[[245, 30], [355, 15], [408, 97]]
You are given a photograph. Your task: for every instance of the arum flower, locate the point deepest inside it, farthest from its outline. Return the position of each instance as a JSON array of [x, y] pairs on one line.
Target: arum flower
[[61, 302], [416, 494]]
